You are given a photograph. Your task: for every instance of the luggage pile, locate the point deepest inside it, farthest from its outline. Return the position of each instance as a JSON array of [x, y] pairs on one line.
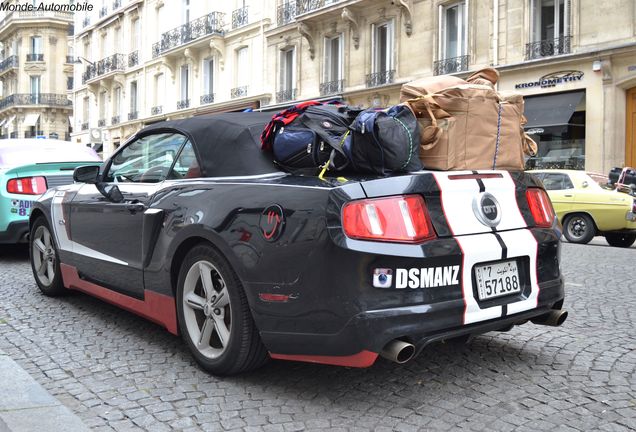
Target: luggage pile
[[443, 123]]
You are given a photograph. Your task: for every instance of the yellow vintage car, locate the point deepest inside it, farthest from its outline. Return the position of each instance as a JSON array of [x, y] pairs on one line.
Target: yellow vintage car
[[585, 209]]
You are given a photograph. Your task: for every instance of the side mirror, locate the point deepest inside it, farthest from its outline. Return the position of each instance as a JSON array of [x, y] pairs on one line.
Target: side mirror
[[86, 174]]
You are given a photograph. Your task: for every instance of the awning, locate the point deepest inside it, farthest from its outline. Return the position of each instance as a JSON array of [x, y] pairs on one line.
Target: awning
[[552, 109], [8, 122], [31, 119]]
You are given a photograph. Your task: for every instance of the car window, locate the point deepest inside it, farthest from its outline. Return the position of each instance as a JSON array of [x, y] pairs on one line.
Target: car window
[[146, 160], [186, 165], [557, 181]]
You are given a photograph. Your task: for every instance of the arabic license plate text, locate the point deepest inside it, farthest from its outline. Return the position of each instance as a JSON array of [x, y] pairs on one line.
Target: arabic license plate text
[[497, 279]]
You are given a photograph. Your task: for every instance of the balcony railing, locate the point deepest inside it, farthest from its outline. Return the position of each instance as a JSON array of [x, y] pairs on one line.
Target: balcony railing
[[34, 57], [114, 120], [101, 122], [35, 99], [86, 22], [331, 87], [84, 126], [285, 95], [116, 4], [548, 47], [451, 65], [238, 92], [133, 59], [103, 11], [133, 115], [207, 99], [156, 110], [211, 23], [8, 63], [286, 13], [183, 104], [109, 64], [380, 78], [239, 17], [306, 6]]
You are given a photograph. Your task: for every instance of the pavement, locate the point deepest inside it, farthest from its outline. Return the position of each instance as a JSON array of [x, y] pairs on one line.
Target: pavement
[[118, 372]]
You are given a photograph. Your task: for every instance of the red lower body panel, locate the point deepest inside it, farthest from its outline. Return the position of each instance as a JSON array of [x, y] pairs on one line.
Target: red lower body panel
[[362, 359], [155, 307]]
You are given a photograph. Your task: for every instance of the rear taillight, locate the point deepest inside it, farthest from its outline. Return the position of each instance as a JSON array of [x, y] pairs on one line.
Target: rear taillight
[[27, 185], [540, 207], [402, 219]]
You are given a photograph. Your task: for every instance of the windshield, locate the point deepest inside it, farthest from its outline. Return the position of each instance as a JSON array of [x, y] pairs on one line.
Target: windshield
[[17, 154]]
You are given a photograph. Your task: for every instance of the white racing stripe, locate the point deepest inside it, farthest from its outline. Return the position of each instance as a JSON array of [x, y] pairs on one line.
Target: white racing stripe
[[522, 243]]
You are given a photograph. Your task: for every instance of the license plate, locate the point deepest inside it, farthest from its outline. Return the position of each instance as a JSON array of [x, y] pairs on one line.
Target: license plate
[[497, 279]]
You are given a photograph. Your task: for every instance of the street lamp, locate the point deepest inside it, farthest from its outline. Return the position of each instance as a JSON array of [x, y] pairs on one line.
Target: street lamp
[[85, 59]]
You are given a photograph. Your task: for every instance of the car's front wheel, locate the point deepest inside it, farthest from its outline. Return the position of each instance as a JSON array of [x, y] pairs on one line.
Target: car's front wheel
[[579, 228], [214, 316], [45, 261], [623, 240]]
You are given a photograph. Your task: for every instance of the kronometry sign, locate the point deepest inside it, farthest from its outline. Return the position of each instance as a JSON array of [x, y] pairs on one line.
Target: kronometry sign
[[553, 79]]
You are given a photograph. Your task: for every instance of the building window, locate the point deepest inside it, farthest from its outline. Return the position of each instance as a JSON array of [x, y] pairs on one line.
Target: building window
[[185, 82], [333, 73], [132, 115], [85, 112], [550, 28], [35, 89], [36, 44], [116, 105], [242, 73], [159, 93], [208, 81], [102, 108], [287, 87], [382, 55], [135, 35], [453, 39]]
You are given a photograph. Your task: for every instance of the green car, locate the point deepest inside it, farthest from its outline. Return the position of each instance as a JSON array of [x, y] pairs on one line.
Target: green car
[[28, 167]]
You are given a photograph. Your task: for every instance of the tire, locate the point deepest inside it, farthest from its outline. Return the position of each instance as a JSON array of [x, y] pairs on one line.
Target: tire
[[623, 240], [45, 260], [216, 323], [579, 228]]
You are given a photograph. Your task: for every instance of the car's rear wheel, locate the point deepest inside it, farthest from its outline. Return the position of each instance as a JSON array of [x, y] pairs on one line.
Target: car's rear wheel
[[623, 240], [214, 316], [45, 261], [579, 228]]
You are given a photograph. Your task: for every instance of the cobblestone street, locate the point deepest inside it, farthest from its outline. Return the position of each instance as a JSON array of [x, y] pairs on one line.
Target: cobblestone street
[[119, 372]]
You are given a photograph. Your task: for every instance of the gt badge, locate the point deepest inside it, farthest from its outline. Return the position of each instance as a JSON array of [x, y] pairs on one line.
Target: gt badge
[[487, 210], [272, 222]]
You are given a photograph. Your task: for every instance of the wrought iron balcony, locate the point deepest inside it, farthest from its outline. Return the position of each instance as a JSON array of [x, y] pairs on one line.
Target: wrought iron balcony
[[183, 104], [69, 83], [211, 23], [238, 92], [380, 78], [86, 22], [548, 47], [84, 126], [114, 120], [331, 87], [111, 63], [133, 59], [34, 57], [239, 17], [207, 99], [286, 13], [8, 63], [451, 65], [133, 115], [103, 11], [101, 122], [116, 4], [306, 6], [156, 110], [35, 99], [286, 95]]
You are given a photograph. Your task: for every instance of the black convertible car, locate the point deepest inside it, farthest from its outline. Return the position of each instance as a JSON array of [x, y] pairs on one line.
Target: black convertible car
[[190, 225]]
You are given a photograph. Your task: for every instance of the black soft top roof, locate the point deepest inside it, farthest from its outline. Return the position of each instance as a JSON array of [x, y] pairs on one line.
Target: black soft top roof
[[228, 144]]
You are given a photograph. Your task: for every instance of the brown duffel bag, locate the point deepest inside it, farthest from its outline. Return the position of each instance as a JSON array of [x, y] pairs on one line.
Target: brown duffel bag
[[469, 125]]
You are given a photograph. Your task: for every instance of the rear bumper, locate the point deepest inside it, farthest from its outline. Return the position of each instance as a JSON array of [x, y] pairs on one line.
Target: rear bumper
[[368, 332], [16, 232]]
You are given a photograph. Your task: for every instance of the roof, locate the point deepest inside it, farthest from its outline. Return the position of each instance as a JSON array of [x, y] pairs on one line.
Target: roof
[[228, 144]]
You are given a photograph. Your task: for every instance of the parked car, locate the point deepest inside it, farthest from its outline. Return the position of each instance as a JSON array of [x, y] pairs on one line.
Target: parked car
[[586, 209], [28, 167], [248, 262]]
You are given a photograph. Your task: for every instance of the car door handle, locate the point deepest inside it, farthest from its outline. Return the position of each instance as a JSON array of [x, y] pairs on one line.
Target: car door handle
[[135, 207], [567, 196]]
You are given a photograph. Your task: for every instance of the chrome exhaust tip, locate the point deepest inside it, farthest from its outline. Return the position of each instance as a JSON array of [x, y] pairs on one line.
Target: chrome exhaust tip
[[398, 351], [554, 318]]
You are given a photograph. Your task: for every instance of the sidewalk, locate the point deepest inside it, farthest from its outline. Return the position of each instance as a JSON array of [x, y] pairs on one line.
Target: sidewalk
[[26, 406]]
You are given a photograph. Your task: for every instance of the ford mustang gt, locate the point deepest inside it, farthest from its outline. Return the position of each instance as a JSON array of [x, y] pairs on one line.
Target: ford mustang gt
[[191, 226]]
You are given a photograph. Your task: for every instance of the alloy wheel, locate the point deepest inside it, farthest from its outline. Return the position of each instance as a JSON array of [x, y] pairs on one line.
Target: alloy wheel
[[43, 254]]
